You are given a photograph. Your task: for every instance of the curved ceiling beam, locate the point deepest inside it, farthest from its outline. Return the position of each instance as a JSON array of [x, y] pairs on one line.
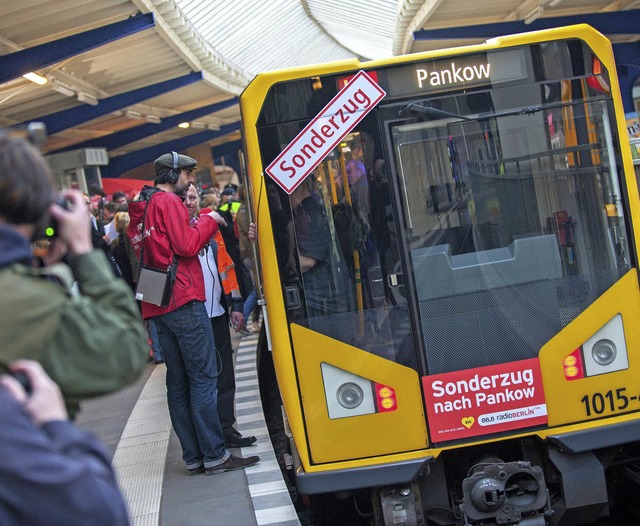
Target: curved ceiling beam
[[411, 17], [178, 32], [612, 23], [307, 11]]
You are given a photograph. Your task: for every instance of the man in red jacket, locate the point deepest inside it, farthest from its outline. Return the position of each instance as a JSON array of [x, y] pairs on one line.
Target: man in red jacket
[[160, 228]]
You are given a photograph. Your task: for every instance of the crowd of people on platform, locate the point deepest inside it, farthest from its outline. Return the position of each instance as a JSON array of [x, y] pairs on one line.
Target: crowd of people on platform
[[73, 329]]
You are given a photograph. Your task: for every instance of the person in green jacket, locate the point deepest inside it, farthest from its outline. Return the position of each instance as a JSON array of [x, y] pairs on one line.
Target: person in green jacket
[[78, 320]]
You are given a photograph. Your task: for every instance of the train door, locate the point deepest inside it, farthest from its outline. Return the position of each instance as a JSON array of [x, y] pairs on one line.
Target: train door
[[338, 249]]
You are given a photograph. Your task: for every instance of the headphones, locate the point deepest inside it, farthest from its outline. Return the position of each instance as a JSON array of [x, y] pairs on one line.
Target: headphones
[[173, 175]]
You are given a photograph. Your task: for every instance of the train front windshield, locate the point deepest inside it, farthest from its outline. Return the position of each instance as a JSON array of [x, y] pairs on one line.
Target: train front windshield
[[462, 229], [514, 231]]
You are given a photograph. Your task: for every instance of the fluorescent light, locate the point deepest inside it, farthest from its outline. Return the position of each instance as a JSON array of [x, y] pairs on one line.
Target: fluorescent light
[[130, 114], [153, 119], [34, 77], [63, 90], [214, 127], [183, 125], [198, 125], [87, 99], [533, 15]]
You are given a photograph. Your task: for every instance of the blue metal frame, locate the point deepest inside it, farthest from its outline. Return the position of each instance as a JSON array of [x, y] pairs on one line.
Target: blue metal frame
[[628, 65], [118, 139], [66, 119], [225, 149], [16, 64], [119, 165], [229, 151]]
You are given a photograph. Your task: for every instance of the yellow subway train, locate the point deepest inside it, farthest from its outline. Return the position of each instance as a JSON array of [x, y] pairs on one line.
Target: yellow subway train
[[447, 254]]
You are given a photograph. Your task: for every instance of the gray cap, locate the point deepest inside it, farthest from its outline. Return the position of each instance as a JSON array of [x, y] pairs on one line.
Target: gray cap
[[164, 163]]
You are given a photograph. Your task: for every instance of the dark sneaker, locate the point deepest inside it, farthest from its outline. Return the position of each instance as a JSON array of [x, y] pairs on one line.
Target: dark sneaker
[[240, 441], [196, 471], [233, 463]]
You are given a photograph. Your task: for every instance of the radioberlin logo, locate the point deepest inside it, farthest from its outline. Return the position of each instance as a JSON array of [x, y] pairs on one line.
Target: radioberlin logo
[[453, 75]]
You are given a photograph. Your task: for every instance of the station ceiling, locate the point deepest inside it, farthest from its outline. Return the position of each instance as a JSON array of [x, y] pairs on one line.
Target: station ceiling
[[122, 74]]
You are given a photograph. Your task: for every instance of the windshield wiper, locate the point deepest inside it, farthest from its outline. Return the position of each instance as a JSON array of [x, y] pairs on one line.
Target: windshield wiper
[[424, 107]]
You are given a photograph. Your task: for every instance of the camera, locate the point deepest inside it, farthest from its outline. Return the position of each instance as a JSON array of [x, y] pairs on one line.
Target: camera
[[34, 132], [51, 231], [23, 380]]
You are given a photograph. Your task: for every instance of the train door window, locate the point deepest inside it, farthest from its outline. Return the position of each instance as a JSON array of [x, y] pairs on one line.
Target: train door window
[[511, 207], [340, 266]]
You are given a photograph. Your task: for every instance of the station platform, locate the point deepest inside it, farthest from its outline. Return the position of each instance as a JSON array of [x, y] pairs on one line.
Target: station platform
[[134, 426]]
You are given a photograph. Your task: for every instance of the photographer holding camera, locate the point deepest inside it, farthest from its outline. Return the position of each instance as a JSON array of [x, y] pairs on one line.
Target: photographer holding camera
[[50, 471], [92, 342]]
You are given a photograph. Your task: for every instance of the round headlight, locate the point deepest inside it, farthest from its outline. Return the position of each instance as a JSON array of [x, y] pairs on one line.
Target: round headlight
[[350, 395], [604, 352]]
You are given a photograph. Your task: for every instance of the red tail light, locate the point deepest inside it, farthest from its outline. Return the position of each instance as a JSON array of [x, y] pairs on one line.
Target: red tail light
[[573, 367], [385, 398]]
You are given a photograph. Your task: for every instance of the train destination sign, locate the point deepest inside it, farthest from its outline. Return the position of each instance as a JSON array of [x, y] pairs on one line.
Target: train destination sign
[[463, 71], [485, 400], [325, 131]]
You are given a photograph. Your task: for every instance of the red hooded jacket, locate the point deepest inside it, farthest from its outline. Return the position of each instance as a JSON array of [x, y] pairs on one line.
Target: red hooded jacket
[[168, 232]]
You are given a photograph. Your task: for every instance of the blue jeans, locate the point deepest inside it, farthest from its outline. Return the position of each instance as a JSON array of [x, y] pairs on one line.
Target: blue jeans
[[189, 353], [155, 343], [250, 304]]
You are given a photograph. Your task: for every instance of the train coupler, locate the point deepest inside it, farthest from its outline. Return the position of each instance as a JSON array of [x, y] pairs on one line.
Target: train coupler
[[512, 493], [401, 505]]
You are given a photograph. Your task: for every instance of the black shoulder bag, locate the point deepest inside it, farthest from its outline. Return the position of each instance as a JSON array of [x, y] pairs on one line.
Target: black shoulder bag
[[154, 285]]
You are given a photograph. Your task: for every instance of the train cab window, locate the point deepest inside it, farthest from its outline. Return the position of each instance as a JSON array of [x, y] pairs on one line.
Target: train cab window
[[340, 262], [497, 195]]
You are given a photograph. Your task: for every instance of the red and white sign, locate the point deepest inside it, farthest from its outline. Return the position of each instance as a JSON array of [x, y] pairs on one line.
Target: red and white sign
[[325, 131], [486, 400]]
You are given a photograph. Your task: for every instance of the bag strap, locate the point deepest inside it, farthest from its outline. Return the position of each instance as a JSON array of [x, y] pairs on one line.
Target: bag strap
[[144, 216], [174, 264]]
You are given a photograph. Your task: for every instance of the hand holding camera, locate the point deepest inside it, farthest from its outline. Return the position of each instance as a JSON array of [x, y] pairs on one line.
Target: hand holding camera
[[44, 401], [73, 222]]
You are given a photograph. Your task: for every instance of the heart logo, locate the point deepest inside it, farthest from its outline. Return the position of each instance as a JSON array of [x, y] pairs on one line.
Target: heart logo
[[468, 421]]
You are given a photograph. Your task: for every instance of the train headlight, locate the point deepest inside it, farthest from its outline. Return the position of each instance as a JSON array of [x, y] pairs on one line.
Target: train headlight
[[604, 352], [350, 395]]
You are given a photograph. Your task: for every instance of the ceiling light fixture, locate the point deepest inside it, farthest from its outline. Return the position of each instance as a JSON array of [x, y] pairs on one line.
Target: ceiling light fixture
[[153, 119], [87, 99], [183, 125], [130, 114], [553, 3], [198, 125], [214, 127], [35, 78], [533, 15], [63, 90]]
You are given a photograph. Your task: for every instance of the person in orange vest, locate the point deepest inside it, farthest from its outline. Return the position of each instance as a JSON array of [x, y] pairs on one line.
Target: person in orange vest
[[224, 306]]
